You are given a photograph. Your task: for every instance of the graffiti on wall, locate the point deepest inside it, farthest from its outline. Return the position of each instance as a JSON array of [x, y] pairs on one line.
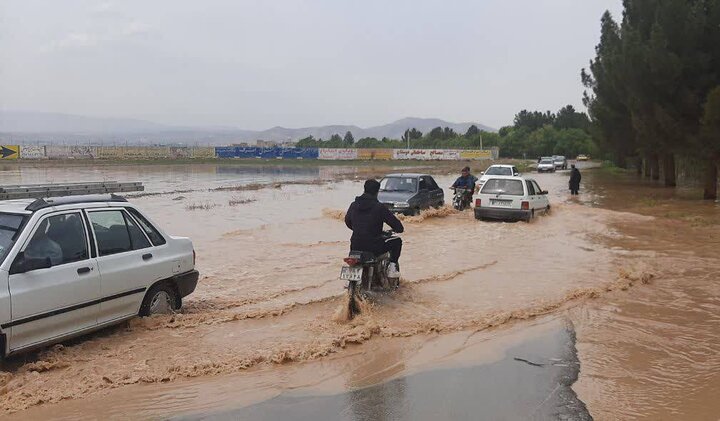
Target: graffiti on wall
[[182, 152], [32, 152], [337, 154], [427, 154]]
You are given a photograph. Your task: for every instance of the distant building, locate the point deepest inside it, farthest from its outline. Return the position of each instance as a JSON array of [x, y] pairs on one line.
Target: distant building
[[266, 144]]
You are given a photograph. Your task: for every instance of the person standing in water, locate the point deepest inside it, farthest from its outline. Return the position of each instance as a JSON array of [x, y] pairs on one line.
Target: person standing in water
[[575, 178]]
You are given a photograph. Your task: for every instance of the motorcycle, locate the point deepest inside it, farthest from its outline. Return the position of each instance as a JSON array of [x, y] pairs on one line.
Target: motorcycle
[[366, 274], [462, 198]]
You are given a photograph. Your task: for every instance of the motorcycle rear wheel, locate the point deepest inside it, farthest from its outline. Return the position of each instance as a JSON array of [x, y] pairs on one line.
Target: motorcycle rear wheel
[[353, 308]]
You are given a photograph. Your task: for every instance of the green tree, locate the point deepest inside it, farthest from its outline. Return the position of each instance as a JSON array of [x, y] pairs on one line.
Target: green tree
[[448, 133], [472, 131], [368, 142], [335, 141], [436, 133], [568, 118], [514, 143], [308, 142], [348, 140], [611, 120], [533, 120], [709, 144], [490, 139]]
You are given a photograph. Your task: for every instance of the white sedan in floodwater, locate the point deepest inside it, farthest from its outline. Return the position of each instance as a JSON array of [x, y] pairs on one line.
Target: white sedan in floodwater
[[511, 198]]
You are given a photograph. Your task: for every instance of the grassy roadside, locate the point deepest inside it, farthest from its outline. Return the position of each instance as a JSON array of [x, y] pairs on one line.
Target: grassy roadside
[[610, 168]]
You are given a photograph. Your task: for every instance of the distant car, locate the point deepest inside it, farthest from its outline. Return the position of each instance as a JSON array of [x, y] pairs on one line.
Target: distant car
[[560, 162], [410, 193], [511, 199], [74, 264], [582, 158], [546, 165], [500, 169]]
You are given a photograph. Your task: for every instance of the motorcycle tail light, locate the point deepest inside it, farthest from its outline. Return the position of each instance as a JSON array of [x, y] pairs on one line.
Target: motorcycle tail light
[[525, 205], [477, 203], [351, 261]]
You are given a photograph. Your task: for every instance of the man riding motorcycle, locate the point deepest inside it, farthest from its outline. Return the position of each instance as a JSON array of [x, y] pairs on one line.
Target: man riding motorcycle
[[365, 217], [466, 181]]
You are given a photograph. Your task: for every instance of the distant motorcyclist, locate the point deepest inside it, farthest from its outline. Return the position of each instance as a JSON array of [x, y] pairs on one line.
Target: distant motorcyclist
[[466, 181], [365, 217]]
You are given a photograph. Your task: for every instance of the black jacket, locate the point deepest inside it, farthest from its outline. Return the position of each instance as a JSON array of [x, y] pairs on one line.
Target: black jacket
[[365, 217], [575, 178]]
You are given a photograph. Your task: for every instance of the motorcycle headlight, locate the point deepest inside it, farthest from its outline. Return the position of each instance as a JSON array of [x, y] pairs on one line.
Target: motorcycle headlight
[[402, 205]]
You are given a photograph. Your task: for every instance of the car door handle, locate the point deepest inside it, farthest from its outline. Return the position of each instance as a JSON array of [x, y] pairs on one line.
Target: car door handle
[[84, 270], [147, 256]]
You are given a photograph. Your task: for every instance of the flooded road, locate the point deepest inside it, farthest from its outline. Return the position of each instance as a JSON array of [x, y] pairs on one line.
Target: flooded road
[[633, 269]]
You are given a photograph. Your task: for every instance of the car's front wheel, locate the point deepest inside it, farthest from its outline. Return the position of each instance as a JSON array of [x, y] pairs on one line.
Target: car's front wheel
[[160, 299]]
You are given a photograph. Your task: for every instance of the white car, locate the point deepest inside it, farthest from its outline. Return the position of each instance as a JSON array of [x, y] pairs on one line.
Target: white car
[[546, 165], [511, 198], [74, 264], [499, 169]]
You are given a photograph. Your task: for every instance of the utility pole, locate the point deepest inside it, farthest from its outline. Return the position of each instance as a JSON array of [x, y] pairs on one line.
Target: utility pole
[[481, 148]]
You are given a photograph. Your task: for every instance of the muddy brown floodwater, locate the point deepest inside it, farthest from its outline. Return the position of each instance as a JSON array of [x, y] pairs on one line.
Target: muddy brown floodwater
[[633, 268]]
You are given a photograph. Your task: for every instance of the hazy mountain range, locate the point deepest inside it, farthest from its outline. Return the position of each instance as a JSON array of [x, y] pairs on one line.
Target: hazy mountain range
[[26, 126]]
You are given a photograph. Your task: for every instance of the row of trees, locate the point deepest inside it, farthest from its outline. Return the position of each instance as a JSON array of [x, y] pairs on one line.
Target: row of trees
[[532, 134], [439, 137], [536, 133], [653, 88]]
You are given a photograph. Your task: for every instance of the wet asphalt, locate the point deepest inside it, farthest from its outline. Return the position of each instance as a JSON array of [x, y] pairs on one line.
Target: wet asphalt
[[532, 382]]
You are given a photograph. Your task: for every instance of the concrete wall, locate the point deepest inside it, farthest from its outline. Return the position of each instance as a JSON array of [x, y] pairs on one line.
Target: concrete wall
[[182, 152]]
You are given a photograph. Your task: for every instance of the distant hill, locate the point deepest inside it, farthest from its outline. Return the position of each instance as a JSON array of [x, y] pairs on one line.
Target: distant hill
[[26, 126], [39, 122]]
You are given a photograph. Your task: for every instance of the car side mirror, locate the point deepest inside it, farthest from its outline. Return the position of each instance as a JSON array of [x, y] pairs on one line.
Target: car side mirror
[[517, 174], [21, 264], [543, 192], [482, 172]]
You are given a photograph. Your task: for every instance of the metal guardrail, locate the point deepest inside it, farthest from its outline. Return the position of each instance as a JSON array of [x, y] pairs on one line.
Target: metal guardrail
[[38, 191]]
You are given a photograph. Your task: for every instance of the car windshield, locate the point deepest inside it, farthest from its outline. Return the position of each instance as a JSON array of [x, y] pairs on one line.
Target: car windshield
[[559, 158], [408, 184], [9, 225], [503, 186], [499, 171], [546, 161]]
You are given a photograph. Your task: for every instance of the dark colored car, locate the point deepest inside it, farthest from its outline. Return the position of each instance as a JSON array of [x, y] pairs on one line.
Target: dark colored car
[[410, 193]]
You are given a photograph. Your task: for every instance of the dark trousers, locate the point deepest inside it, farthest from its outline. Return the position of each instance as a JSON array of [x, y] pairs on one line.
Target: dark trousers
[[574, 192], [394, 246], [391, 245]]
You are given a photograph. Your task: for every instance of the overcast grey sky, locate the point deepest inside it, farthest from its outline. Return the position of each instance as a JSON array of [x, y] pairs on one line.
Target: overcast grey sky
[[260, 63]]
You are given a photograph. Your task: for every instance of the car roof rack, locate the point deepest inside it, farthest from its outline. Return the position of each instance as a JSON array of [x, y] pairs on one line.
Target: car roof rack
[[42, 191], [38, 204]]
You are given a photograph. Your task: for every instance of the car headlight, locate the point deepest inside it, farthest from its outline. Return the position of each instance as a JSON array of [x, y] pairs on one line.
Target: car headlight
[[402, 205]]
